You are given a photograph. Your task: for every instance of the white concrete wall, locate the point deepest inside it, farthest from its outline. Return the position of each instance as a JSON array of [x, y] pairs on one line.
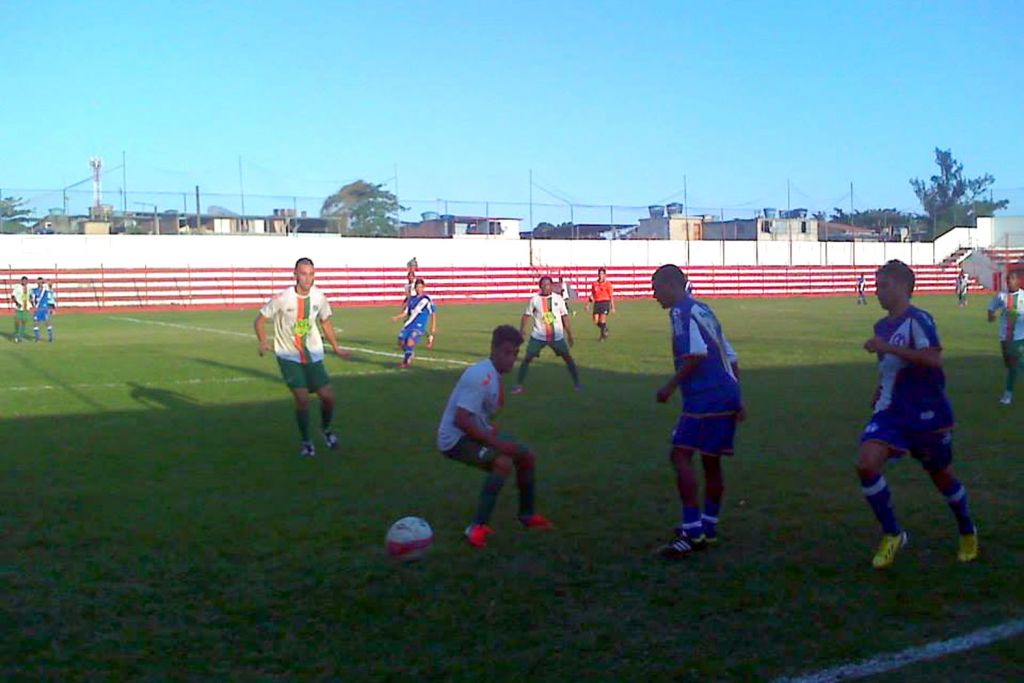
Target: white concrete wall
[[42, 252]]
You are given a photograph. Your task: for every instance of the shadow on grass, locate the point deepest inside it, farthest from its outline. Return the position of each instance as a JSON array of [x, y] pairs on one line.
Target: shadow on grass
[[204, 545]]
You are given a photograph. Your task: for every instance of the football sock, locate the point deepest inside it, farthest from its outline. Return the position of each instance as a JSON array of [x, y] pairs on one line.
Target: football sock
[[876, 491], [523, 367], [302, 418], [49, 333], [524, 480], [571, 364], [488, 497], [692, 525], [35, 331], [710, 516], [956, 498], [406, 355], [1011, 378], [326, 415]]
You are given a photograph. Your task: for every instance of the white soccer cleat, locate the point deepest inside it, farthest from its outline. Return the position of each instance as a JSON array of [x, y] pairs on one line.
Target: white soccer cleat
[[1007, 398]]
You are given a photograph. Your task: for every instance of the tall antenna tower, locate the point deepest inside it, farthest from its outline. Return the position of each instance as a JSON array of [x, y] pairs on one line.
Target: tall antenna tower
[[96, 164]]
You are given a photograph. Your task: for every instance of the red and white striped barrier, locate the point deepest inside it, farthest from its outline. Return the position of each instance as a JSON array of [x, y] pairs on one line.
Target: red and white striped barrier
[[149, 288]]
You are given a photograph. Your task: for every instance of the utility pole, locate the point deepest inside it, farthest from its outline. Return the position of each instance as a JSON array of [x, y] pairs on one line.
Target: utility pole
[[531, 204], [124, 184], [199, 215], [241, 187]]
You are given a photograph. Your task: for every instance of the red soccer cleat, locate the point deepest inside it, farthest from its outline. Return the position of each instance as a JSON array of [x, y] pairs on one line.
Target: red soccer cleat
[[476, 535], [536, 521]]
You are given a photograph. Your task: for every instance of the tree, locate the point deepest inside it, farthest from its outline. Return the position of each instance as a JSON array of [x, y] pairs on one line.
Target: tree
[[12, 212], [363, 209], [951, 199]]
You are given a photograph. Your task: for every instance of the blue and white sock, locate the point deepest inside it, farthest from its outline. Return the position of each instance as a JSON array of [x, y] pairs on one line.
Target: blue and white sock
[[710, 518], [691, 524], [876, 491], [956, 498]]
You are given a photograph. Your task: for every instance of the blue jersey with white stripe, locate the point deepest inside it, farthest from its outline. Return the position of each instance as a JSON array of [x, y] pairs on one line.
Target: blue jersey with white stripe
[[42, 297], [418, 310], [913, 395], [712, 387]]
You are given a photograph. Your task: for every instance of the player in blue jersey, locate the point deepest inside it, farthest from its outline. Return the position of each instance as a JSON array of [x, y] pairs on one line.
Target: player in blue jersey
[[707, 375], [43, 301], [862, 288], [911, 413], [419, 310]]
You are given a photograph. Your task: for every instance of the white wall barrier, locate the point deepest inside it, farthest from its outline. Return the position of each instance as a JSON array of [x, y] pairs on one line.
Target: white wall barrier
[[100, 272]]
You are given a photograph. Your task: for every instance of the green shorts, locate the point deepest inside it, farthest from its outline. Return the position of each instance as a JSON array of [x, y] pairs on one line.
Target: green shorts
[[1013, 349], [312, 376], [475, 454], [534, 347], [21, 317]]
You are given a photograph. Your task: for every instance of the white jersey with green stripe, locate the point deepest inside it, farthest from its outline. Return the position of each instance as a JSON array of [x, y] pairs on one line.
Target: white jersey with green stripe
[[296, 334], [547, 312], [1011, 314]]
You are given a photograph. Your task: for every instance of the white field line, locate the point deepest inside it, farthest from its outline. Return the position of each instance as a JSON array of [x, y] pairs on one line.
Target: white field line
[[175, 382], [912, 655], [232, 333]]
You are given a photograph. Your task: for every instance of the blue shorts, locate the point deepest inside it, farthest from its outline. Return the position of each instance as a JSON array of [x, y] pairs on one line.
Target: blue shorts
[[712, 435], [932, 448], [409, 337], [42, 314]]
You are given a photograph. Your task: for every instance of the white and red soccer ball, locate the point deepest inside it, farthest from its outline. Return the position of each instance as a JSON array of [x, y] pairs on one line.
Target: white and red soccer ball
[[409, 539]]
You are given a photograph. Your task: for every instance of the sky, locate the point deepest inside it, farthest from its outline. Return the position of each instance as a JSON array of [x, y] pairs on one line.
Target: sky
[[744, 104]]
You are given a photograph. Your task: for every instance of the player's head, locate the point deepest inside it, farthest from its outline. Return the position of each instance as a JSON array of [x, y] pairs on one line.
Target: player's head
[[505, 343], [1013, 279], [411, 276], [420, 285], [40, 281], [24, 279], [669, 284], [601, 274], [545, 285], [894, 284], [305, 274]]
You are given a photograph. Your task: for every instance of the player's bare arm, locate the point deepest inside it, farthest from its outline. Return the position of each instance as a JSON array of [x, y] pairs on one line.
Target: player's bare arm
[[261, 334], [522, 324], [464, 421], [930, 357], [690, 364], [328, 330]]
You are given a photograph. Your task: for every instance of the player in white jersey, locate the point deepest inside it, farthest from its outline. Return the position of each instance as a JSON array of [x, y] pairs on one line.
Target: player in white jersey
[[466, 435], [298, 314], [550, 328], [22, 302], [1010, 305]]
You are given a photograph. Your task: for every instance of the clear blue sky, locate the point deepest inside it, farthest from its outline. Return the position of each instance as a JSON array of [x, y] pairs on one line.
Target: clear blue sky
[[607, 102]]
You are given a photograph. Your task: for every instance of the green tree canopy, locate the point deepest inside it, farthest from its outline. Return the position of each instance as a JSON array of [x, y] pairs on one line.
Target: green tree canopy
[[363, 209], [951, 199], [13, 211]]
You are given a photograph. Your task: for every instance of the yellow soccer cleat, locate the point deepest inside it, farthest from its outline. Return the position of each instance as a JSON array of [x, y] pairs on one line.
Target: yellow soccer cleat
[[887, 549], [968, 551]]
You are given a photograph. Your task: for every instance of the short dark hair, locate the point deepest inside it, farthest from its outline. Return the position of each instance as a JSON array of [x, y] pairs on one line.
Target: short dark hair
[[506, 334], [543, 278], [420, 281], [671, 274], [24, 278], [602, 270], [304, 259], [898, 271]]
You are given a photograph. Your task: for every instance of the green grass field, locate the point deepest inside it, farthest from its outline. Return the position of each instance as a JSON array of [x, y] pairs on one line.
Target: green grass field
[[158, 523]]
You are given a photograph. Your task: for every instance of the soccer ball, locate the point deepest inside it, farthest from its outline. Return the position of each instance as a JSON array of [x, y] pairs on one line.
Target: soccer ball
[[408, 539]]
